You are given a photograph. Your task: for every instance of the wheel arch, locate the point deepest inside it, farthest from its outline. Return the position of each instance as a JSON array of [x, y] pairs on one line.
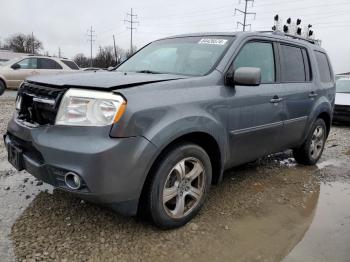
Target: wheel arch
[[200, 138]]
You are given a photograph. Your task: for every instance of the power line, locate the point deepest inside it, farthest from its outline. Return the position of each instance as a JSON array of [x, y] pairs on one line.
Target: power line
[[131, 22], [91, 35], [245, 13]]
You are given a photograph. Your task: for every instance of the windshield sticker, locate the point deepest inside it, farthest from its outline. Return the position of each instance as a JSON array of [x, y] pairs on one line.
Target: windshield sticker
[[211, 41]]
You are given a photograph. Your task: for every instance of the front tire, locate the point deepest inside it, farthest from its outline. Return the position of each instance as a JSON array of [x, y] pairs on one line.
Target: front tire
[[2, 87], [179, 186], [311, 151]]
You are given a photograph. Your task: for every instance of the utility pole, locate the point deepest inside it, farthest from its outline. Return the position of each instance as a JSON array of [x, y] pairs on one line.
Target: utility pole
[[245, 13], [91, 35], [131, 21], [115, 51], [59, 52], [32, 43]]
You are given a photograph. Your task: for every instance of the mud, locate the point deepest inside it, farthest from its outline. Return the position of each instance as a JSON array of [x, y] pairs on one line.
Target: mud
[[270, 210]]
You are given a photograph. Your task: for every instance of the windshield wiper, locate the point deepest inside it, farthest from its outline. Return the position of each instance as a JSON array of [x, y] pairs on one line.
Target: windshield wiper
[[148, 72]]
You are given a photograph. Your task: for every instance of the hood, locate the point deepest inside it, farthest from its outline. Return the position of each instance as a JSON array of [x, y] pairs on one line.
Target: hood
[[106, 80], [342, 99]]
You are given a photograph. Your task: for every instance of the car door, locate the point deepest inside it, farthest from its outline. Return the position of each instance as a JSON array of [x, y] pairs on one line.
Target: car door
[[16, 75], [298, 91], [48, 66], [255, 112]]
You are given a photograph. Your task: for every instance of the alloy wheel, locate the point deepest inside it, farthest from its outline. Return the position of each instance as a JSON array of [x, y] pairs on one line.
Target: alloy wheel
[[184, 187], [317, 142]]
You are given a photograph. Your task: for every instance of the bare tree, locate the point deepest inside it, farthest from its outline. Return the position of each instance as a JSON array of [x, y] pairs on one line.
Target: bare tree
[[81, 60], [129, 54], [105, 57], [24, 43]]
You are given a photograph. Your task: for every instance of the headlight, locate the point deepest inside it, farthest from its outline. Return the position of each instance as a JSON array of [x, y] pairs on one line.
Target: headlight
[[81, 107], [18, 102]]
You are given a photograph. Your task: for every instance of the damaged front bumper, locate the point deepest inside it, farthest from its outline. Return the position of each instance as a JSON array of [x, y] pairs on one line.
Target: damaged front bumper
[[113, 170]]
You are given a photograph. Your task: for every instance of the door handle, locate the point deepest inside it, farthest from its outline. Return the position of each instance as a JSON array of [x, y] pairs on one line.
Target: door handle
[[313, 94], [276, 100]]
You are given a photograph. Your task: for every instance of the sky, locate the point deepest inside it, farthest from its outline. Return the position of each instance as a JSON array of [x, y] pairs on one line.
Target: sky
[[64, 24]]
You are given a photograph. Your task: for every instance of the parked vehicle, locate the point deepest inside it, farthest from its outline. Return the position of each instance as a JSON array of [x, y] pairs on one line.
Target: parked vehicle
[[342, 101], [92, 69], [153, 135], [14, 72]]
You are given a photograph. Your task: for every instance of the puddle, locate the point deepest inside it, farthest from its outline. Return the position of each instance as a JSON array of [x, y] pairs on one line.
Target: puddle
[[328, 238], [257, 214]]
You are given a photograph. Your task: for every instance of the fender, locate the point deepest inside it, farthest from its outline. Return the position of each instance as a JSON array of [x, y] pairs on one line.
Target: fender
[[322, 105], [162, 137]]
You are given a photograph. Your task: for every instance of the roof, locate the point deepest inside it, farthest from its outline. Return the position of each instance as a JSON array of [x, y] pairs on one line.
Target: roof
[[271, 34]]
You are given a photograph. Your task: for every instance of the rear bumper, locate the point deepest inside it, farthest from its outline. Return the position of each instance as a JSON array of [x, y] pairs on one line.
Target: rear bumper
[[113, 170], [341, 113]]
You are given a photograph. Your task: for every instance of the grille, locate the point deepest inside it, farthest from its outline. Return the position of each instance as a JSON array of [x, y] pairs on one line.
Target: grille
[[39, 103]]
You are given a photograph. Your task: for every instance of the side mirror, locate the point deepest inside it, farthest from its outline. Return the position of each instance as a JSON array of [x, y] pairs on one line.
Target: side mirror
[[15, 66], [247, 76], [110, 68]]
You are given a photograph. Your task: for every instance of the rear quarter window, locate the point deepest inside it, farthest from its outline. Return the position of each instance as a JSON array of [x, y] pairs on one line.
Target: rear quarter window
[[323, 67], [70, 64]]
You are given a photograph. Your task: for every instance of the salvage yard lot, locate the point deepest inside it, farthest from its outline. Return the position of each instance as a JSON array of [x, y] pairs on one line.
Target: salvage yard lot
[[268, 210]]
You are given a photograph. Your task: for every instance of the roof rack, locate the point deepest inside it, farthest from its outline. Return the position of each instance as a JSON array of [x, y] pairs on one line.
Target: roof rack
[[280, 33]]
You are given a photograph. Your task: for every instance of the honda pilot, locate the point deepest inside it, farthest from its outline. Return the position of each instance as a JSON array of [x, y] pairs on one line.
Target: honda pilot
[[151, 136]]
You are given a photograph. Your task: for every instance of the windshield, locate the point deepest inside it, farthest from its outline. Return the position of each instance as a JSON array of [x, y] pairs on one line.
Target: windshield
[[195, 56], [343, 86]]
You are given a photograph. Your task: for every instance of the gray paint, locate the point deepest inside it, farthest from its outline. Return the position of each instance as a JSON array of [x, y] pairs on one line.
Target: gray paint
[[244, 121]]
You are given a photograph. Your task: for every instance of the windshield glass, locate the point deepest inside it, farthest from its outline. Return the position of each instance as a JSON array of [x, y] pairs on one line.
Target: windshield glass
[[194, 56], [343, 86]]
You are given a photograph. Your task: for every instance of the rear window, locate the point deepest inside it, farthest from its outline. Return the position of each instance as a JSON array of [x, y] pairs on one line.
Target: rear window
[[46, 63], [70, 64], [292, 64], [323, 67]]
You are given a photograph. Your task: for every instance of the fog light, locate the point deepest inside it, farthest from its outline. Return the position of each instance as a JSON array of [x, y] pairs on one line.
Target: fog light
[[72, 181]]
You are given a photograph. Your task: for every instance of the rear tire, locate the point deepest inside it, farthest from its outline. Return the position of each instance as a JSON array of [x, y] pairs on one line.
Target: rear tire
[[311, 151], [2, 87], [179, 186]]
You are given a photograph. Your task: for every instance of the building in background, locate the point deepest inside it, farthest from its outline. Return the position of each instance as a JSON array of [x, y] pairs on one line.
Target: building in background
[[6, 55]]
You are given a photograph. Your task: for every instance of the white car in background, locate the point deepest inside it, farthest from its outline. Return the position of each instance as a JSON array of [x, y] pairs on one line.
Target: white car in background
[[15, 71], [342, 101]]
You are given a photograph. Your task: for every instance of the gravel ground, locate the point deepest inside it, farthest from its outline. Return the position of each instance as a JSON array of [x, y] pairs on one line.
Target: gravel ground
[[269, 210]]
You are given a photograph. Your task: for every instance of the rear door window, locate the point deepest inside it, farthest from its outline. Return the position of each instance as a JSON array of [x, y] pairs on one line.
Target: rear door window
[[260, 55], [323, 67], [292, 64], [46, 63]]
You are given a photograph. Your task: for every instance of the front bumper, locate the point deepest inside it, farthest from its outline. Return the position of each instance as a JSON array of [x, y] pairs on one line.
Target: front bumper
[[341, 113], [113, 169]]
